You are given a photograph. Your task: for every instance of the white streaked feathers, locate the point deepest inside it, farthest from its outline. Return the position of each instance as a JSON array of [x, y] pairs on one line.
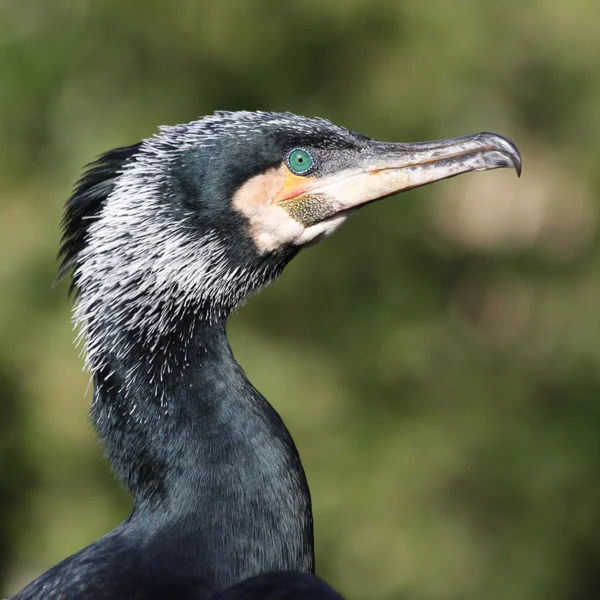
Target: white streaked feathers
[[142, 268]]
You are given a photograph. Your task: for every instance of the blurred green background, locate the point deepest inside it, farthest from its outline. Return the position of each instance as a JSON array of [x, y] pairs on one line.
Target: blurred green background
[[437, 360]]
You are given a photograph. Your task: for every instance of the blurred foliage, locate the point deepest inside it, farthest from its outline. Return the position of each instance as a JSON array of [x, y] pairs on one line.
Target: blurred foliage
[[438, 360]]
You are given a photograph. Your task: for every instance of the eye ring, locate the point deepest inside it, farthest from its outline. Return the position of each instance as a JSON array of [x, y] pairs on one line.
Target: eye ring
[[300, 161]]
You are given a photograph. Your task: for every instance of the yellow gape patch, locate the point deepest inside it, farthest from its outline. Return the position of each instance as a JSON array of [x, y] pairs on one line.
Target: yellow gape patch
[[278, 212]]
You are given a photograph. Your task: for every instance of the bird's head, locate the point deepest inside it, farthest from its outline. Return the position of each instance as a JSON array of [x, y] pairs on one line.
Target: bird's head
[[201, 215]]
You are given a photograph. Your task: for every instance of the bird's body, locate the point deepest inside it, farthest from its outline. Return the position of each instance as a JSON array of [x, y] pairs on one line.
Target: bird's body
[[164, 238]]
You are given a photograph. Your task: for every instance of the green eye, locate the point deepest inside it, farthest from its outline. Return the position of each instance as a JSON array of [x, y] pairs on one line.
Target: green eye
[[300, 161]]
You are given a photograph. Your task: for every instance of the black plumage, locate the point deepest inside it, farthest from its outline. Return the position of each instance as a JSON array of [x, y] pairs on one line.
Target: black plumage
[[86, 202], [164, 238]]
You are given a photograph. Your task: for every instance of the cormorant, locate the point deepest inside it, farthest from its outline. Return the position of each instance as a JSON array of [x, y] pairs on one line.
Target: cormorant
[[164, 238]]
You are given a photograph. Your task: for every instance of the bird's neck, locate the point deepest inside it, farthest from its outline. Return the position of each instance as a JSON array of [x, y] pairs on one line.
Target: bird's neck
[[218, 485]]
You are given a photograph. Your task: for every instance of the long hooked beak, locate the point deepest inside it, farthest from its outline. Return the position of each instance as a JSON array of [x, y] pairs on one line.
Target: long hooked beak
[[383, 169]]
